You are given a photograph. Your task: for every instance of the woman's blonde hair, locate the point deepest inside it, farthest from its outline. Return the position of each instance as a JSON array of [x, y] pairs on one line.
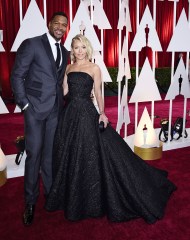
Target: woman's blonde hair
[[84, 41]]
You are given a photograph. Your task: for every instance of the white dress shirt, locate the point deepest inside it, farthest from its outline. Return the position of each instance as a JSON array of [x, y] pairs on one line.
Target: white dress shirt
[[53, 46]]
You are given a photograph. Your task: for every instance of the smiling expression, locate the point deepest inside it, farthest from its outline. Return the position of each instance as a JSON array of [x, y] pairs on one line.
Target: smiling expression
[[58, 26], [79, 50]]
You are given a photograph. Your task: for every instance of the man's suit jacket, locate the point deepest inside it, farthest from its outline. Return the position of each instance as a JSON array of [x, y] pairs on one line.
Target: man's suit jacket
[[35, 79]]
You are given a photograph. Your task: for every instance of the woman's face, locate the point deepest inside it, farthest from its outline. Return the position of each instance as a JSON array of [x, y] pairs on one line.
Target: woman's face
[[79, 50]]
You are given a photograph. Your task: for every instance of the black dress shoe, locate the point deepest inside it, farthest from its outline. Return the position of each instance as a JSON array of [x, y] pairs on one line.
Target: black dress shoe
[[28, 214]]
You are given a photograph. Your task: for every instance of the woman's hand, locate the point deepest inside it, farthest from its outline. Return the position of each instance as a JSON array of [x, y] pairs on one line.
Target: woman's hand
[[104, 119]]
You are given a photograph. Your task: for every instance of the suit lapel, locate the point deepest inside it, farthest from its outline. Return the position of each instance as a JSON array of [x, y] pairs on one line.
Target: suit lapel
[[48, 50]]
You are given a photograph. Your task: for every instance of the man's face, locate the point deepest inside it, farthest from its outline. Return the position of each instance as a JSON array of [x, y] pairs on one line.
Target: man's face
[[57, 27]]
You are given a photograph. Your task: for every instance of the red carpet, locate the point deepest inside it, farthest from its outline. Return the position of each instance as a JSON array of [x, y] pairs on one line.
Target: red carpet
[[51, 226], [174, 225]]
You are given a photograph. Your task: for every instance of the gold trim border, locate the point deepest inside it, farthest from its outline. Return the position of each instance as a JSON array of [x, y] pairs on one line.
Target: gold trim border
[[149, 153], [3, 177]]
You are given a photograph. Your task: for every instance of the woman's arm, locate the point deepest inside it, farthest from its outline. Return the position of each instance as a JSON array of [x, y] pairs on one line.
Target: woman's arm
[[65, 84], [98, 94]]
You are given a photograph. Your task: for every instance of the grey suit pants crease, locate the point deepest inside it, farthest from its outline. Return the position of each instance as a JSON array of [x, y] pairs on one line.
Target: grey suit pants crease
[[39, 135]]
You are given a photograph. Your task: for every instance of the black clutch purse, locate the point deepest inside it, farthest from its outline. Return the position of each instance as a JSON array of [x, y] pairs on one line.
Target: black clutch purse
[[101, 126]]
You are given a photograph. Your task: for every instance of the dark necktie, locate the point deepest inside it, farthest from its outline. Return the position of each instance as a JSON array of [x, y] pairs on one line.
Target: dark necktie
[[58, 59]]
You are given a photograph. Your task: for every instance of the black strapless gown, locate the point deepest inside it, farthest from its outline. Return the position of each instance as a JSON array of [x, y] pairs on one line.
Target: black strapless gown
[[96, 173]]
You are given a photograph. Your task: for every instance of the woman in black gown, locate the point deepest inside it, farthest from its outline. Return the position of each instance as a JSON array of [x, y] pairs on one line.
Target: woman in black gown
[[95, 173]]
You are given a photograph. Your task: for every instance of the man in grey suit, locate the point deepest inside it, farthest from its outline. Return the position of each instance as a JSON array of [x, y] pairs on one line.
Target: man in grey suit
[[36, 81]]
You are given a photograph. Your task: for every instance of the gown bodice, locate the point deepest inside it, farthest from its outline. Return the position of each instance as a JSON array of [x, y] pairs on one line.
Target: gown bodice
[[80, 85]]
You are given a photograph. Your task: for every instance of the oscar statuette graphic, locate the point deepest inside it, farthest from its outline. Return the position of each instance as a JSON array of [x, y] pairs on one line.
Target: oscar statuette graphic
[[82, 28], [145, 130]]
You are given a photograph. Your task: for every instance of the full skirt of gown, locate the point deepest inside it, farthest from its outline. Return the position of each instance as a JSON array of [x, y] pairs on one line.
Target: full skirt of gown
[[96, 173]]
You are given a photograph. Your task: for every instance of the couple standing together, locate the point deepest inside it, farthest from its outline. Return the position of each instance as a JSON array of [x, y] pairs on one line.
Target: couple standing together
[[85, 172]]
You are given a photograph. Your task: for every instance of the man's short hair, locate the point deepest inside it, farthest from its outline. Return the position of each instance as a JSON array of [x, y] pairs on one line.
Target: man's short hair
[[58, 14]]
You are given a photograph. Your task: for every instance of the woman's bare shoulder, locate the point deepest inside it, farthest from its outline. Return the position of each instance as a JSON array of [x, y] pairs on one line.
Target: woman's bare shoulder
[[95, 68], [68, 68]]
